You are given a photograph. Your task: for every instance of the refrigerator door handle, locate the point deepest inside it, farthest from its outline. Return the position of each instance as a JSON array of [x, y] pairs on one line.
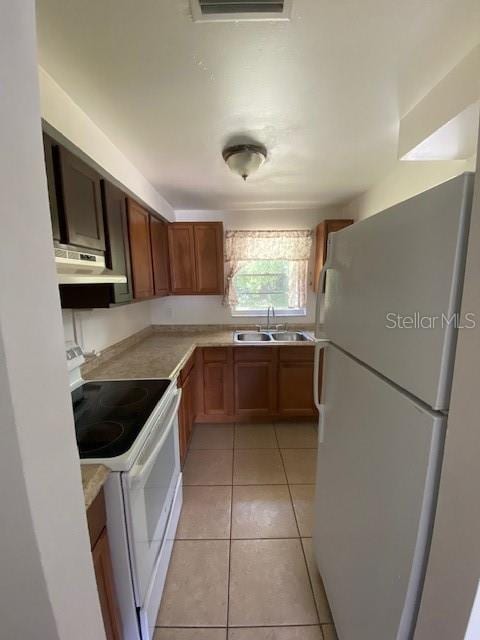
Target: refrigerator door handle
[[321, 286], [321, 407]]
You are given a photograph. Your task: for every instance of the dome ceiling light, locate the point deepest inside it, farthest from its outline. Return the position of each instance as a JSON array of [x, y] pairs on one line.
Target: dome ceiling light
[[245, 159]]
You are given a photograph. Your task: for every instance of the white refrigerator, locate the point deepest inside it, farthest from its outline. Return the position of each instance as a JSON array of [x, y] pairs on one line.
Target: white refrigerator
[[393, 286]]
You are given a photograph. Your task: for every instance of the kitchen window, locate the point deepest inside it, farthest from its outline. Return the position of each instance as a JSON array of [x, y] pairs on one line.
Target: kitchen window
[[267, 268]]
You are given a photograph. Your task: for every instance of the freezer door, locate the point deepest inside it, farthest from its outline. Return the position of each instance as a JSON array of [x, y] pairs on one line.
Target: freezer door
[[408, 261], [377, 478]]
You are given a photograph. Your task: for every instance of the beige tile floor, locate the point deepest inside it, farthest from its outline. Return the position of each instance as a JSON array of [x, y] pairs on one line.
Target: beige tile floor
[[242, 565]]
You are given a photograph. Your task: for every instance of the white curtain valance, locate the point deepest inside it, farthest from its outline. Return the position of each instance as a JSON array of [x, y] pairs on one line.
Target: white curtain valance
[[294, 246], [268, 245]]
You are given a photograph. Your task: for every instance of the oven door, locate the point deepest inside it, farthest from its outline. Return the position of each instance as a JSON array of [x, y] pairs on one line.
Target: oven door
[[148, 489]]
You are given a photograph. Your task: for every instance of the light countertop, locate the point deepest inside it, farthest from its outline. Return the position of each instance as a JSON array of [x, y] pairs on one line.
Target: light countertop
[[93, 479], [154, 353], [162, 354]]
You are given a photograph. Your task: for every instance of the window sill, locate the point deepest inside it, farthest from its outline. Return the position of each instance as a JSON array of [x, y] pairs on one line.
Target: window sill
[[247, 313]]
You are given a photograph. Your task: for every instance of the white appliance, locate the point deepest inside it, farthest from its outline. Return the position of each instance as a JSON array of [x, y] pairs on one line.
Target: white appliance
[[75, 266], [393, 289], [143, 494]]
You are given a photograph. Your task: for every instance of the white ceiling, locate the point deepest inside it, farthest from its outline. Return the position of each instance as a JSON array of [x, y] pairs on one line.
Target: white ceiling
[[323, 92]]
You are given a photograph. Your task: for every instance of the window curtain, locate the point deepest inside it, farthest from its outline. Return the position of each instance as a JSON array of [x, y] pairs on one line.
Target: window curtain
[[294, 246]]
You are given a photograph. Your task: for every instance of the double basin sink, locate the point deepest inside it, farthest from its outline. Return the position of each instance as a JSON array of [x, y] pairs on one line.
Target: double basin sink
[[271, 336]]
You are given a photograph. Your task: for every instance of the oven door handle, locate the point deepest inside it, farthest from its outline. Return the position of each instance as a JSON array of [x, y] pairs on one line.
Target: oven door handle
[[139, 472]]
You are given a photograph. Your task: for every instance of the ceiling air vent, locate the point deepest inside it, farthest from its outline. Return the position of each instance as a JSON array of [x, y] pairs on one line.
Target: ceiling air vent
[[236, 10]]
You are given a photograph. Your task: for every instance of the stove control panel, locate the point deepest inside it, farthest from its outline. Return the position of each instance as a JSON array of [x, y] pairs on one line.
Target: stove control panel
[[73, 352], [75, 359]]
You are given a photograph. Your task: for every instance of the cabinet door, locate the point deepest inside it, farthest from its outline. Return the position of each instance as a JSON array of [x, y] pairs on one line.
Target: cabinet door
[[190, 405], [81, 202], [186, 416], [106, 589], [181, 246], [117, 255], [217, 382], [49, 149], [140, 250], [322, 232], [209, 262], [254, 381], [182, 428], [159, 240], [295, 389]]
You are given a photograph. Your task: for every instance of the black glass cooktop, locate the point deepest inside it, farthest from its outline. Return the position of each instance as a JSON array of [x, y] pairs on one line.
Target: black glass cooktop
[[109, 415]]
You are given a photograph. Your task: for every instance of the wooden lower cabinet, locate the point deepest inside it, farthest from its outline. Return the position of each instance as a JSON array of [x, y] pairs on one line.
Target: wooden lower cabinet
[[254, 381], [97, 527], [295, 382], [215, 383], [188, 406], [295, 392], [249, 384]]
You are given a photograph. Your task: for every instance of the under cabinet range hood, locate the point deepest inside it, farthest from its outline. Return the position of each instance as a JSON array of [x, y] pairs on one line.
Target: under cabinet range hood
[[81, 267]]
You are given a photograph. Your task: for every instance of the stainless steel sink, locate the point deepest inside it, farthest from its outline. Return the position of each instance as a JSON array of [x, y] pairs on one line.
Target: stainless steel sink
[[270, 336], [289, 336], [252, 336]]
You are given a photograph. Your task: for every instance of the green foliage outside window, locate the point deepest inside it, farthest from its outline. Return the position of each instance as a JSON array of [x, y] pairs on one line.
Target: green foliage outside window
[[261, 283]]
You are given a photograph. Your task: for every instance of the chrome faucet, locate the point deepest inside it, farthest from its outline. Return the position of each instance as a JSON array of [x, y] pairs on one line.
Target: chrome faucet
[[272, 309]]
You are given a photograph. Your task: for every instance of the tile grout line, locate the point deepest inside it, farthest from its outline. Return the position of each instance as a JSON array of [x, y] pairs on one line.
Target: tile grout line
[[249, 448], [300, 537], [252, 626], [230, 536], [256, 484], [239, 539]]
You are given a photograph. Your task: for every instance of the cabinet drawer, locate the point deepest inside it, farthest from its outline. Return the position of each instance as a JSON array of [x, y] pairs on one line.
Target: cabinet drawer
[[254, 354], [215, 354], [296, 354]]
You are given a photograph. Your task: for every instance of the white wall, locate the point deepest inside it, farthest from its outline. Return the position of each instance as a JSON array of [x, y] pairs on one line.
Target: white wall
[[100, 328], [459, 89], [406, 180], [47, 582], [66, 117], [454, 565], [209, 309]]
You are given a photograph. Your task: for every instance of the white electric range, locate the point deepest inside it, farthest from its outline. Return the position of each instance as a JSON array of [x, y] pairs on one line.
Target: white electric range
[[131, 426]]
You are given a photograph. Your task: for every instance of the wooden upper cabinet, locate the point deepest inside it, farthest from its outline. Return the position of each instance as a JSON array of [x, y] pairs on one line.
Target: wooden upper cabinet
[[209, 257], [81, 202], [50, 149], [140, 250], [322, 232], [181, 246], [117, 254], [196, 257], [159, 242]]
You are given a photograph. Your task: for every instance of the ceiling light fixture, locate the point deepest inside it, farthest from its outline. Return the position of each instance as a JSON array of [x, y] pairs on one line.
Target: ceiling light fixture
[[245, 159]]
